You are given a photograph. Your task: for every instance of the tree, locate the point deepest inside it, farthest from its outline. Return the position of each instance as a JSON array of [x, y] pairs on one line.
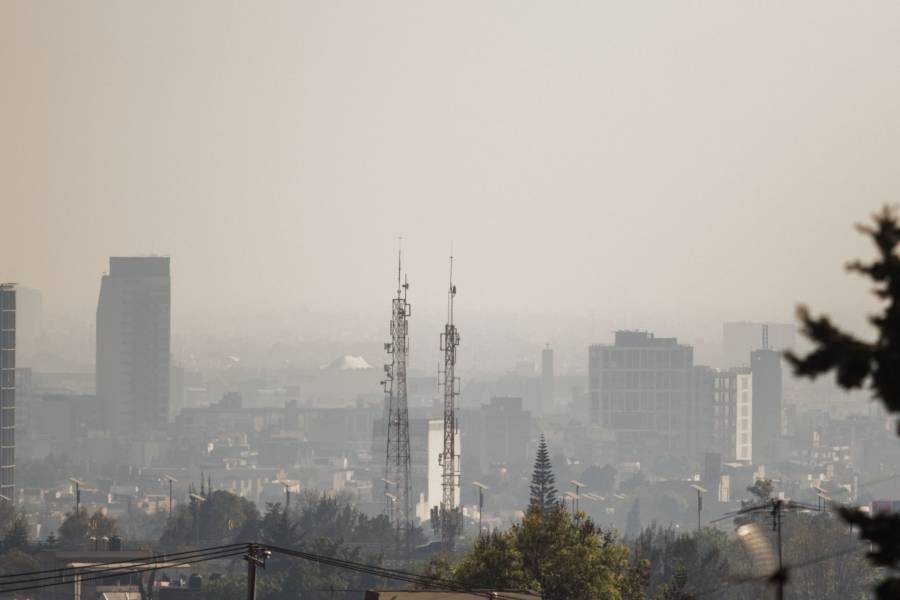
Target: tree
[[761, 490], [559, 554], [17, 535], [543, 490], [874, 364], [221, 518], [601, 479], [74, 529], [494, 563], [77, 528]]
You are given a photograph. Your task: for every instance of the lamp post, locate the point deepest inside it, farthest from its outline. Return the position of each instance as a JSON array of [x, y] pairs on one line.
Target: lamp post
[[197, 498], [578, 485], [481, 488], [171, 480], [700, 490]]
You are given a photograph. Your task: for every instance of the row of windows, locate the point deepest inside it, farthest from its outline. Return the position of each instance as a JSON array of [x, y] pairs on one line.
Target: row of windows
[[8, 319], [633, 401], [647, 380], [8, 300], [644, 421], [615, 358], [7, 436], [7, 339]]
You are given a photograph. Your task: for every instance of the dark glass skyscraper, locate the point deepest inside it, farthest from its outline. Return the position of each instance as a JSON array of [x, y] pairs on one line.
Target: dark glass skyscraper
[[8, 391], [133, 337]]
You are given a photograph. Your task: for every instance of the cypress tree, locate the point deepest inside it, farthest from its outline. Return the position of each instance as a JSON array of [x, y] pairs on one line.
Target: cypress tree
[[543, 490]]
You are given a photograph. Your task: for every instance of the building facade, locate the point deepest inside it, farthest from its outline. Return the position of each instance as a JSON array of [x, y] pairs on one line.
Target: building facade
[[732, 406], [8, 391], [547, 381], [133, 344], [767, 405], [640, 394]]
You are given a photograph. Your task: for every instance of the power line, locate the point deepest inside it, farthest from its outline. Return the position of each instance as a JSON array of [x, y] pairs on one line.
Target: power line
[[152, 558], [91, 575], [396, 574], [787, 569]]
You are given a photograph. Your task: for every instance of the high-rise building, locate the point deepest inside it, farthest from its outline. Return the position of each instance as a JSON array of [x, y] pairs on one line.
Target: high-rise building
[[547, 381], [640, 392], [8, 391], [767, 405], [739, 339], [133, 333]]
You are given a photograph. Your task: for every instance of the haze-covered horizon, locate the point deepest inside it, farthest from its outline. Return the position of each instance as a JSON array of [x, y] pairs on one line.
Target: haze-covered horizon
[[690, 164]]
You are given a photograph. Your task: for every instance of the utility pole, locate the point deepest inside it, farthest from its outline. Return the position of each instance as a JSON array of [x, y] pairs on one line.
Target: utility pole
[[171, 480], [780, 577], [700, 490], [255, 557], [481, 488], [451, 519], [397, 460], [195, 505]]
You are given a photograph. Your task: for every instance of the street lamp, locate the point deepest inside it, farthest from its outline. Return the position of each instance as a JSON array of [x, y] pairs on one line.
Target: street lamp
[[481, 489], [578, 485], [197, 498], [171, 480], [700, 490]]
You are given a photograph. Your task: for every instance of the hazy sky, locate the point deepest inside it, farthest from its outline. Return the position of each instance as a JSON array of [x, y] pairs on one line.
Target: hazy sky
[[618, 158]]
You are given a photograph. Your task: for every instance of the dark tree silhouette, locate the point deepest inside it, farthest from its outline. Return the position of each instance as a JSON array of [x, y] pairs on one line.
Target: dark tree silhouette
[[633, 521], [875, 365], [543, 490]]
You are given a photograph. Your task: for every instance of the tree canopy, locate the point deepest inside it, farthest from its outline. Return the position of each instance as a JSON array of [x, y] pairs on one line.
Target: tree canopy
[[874, 364]]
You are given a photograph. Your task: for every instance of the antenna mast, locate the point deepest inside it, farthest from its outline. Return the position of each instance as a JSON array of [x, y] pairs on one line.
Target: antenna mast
[[397, 462], [451, 517]]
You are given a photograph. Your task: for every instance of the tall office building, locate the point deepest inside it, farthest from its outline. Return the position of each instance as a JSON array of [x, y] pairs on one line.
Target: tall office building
[[133, 358], [767, 405], [8, 391], [721, 415], [547, 381], [640, 392]]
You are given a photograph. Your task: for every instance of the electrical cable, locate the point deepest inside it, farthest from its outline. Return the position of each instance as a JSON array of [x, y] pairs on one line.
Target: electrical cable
[[396, 574], [73, 577], [118, 567], [114, 562]]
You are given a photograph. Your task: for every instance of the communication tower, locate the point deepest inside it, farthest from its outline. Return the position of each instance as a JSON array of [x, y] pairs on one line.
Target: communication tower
[[396, 478], [450, 514]]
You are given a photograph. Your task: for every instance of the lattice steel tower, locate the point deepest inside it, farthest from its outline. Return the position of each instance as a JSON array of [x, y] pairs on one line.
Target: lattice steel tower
[[451, 517], [396, 477]]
